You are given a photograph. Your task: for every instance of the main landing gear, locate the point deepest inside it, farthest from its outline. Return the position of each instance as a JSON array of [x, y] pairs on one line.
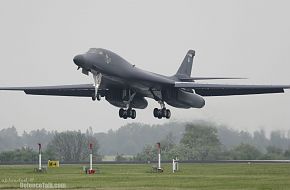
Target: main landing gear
[[127, 113], [163, 112]]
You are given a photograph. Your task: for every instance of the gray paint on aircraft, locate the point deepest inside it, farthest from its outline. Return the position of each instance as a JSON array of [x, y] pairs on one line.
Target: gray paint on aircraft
[[126, 86]]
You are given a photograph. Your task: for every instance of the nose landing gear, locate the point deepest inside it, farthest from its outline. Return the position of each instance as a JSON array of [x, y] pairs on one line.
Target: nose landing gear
[[97, 82], [96, 97]]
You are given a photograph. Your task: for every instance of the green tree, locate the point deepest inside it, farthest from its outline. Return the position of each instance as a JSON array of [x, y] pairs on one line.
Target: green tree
[[19, 155], [287, 154], [245, 152], [180, 151], [167, 143], [72, 146], [274, 153], [202, 140], [120, 158]]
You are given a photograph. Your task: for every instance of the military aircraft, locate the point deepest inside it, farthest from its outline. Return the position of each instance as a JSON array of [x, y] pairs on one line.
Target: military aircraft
[[126, 86]]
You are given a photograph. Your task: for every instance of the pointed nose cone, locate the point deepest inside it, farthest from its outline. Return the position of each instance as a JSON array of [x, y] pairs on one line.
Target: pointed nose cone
[[79, 60]]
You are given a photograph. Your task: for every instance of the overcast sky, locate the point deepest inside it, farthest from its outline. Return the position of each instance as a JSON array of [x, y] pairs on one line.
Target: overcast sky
[[246, 38]]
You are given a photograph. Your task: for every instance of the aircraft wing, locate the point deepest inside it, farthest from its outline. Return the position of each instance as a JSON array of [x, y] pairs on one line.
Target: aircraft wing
[[192, 79], [228, 90], [82, 90]]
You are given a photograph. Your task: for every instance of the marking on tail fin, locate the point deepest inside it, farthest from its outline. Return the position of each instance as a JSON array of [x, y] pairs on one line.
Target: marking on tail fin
[[184, 70]]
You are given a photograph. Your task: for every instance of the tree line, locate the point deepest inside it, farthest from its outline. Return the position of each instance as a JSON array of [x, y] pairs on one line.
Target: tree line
[[197, 140], [200, 142], [66, 146]]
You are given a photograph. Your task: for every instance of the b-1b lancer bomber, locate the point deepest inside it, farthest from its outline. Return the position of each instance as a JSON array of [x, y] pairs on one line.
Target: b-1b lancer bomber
[[126, 86]]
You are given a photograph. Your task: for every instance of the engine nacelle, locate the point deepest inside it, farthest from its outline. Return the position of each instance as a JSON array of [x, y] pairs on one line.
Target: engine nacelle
[[117, 97], [191, 99], [183, 99]]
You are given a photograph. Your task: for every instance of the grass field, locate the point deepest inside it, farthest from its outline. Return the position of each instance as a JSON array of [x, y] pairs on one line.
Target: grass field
[[139, 176]]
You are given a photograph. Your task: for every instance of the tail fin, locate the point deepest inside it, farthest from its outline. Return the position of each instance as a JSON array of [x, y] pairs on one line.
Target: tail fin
[[184, 70]]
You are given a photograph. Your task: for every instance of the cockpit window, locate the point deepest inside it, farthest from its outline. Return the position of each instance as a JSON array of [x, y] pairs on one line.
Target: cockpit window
[[93, 50], [107, 59], [101, 52]]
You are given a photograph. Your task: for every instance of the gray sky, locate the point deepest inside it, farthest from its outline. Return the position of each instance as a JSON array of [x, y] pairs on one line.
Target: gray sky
[[246, 38]]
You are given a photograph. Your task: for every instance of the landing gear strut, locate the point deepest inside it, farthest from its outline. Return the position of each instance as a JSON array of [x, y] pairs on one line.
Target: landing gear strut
[[163, 112], [127, 113], [97, 82], [96, 97]]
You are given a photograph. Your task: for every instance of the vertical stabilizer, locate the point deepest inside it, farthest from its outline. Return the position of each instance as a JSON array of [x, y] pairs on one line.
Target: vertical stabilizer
[[184, 70]]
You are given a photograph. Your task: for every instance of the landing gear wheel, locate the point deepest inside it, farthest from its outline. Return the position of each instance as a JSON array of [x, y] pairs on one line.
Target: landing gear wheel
[[159, 116], [98, 97], [121, 112], [163, 112], [129, 113], [125, 115], [160, 113], [155, 112], [133, 116], [168, 114]]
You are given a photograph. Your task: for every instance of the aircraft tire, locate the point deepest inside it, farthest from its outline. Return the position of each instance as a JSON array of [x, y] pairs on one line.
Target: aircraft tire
[[98, 97], [155, 112], [159, 115], [121, 112], [133, 116], [129, 112], [125, 115], [163, 112], [168, 114]]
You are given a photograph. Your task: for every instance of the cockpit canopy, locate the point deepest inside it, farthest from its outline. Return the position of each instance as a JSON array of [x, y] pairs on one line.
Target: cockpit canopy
[[101, 52], [95, 50]]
